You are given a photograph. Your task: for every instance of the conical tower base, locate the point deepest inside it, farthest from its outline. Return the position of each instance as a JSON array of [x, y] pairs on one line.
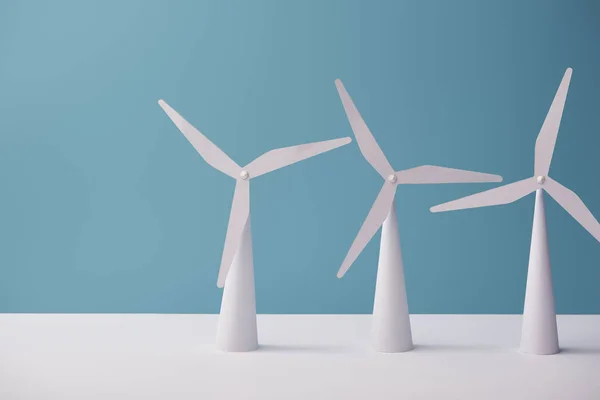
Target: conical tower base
[[539, 332], [391, 322], [237, 331]]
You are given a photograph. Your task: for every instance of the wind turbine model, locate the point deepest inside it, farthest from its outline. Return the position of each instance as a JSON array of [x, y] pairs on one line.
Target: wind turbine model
[[237, 320], [539, 333], [391, 323]]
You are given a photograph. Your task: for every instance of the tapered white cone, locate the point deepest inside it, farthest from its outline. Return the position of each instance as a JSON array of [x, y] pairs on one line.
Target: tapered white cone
[[236, 329], [539, 333], [391, 323]]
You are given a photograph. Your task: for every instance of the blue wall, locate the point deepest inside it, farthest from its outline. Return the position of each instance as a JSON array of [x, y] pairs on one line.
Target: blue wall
[[105, 207]]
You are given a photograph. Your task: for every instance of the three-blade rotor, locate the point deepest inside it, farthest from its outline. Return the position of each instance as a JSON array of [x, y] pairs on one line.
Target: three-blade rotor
[[269, 161], [544, 148], [425, 174]]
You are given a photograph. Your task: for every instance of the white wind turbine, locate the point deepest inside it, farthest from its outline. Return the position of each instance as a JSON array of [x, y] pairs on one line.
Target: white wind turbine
[[237, 320], [539, 332], [391, 323]]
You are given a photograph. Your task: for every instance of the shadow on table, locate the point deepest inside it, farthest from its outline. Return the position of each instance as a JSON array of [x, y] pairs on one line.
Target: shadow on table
[[453, 348], [456, 348], [305, 349], [580, 350]]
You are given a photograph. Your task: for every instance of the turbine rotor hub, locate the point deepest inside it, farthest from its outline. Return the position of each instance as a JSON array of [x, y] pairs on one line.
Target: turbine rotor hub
[[392, 178], [244, 175], [541, 179]]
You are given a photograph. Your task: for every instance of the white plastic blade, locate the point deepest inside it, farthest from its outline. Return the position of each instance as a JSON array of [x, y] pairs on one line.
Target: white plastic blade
[[366, 142], [574, 206], [544, 145], [240, 210], [283, 157], [493, 197], [434, 174], [379, 211], [207, 149]]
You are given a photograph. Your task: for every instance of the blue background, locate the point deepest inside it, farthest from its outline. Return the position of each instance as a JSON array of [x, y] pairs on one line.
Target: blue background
[[105, 207]]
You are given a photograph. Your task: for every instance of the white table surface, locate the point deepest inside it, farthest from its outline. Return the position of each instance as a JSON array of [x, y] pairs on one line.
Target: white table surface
[[149, 356]]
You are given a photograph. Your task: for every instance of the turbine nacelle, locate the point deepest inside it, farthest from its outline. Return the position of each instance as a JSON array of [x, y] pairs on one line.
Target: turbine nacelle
[[244, 175]]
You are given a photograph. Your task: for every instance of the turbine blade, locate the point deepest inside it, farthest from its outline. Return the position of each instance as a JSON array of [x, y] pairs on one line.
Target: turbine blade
[[574, 206], [207, 149], [493, 197], [283, 157], [379, 211], [434, 174], [240, 210], [546, 140], [366, 142]]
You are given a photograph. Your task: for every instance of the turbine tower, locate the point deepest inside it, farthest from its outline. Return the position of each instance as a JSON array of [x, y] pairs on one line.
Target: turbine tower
[[391, 323], [237, 320], [539, 333]]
